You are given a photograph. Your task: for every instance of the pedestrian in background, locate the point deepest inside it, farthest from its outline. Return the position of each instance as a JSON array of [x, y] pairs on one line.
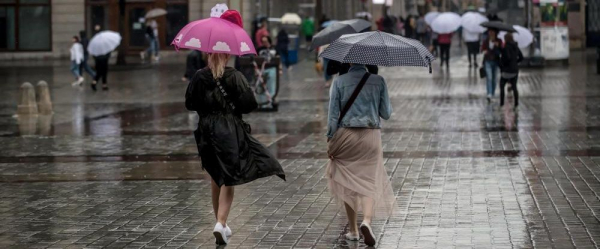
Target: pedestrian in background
[[84, 65], [356, 175], [510, 58], [152, 38], [308, 29], [101, 71], [491, 59], [283, 42], [445, 41], [193, 63], [421, 28], [473, 43], [262, 32], [434, 44], [76, 59]]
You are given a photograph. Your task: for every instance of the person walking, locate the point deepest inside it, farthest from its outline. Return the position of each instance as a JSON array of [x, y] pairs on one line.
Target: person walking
[[472, 41], [355, 173], [283, 42], [84, 66], [308, 29], [491, 58], [445, 41], [152, 38], [101, 71], [510, 58], [230, 155], [421, 28], [76, 59], [262, 32]]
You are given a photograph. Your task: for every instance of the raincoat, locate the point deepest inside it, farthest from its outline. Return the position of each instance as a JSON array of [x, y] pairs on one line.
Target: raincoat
[[229, 154]]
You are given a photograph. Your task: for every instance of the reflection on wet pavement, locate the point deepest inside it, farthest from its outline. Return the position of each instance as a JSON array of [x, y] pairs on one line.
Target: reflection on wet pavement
[[120, 168]]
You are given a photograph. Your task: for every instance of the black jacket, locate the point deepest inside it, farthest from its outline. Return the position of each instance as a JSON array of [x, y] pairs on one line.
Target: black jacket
[[229, 154], [194, 62], [510, 57], [283, 41]]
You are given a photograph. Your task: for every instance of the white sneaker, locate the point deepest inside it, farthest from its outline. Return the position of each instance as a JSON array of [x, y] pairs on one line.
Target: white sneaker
[[227, 231], [368, 234], [143, 55], [351, 237], [80, 80], [219, 233]]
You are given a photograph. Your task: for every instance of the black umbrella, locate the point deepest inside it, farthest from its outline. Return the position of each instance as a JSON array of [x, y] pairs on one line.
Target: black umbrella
[[499, 26], [380, 49], [338, 29]]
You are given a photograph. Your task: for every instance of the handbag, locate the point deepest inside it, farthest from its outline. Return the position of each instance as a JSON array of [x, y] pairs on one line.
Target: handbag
[[247, 127], [482, 73], [354, 95]]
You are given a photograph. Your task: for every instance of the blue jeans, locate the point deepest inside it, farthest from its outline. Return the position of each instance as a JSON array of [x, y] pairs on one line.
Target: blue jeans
[[75, 69], [153, 49], [84, 66], [491, 71]]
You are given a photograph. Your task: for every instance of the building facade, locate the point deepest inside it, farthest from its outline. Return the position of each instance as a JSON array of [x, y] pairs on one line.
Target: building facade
[[38, 29]]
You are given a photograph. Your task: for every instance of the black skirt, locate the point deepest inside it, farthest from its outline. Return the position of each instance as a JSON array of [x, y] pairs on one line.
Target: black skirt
[[230, 155]]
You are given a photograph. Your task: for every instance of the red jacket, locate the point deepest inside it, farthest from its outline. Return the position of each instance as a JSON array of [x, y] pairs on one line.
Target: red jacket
[[445, 38]]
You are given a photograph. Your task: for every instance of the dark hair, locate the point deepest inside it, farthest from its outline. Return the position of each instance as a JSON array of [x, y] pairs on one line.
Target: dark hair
[[509, 37], [76, 38]]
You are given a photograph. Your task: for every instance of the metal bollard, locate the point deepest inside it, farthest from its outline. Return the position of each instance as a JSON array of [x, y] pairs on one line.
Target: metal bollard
[[44, 103], [27, 103]]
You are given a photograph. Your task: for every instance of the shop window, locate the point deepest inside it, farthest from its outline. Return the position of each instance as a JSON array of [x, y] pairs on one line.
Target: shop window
[[177, 18], [25, 25]]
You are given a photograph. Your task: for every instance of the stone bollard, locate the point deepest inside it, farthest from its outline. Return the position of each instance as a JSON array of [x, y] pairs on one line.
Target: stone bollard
[[27, 124], [27, 103], [44, 103], [44, 125]]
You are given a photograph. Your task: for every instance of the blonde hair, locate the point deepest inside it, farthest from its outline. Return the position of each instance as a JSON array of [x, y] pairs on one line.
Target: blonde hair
[[217, 63]]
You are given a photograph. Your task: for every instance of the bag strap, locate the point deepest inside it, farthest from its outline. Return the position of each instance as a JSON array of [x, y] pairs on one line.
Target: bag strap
[[225, 96], [354, 95]]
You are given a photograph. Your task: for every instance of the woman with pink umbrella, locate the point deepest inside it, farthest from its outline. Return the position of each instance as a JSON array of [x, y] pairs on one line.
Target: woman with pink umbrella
[[220, 95]]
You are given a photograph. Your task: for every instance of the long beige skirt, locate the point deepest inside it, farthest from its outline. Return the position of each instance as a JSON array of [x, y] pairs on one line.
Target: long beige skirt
[[356, 171]]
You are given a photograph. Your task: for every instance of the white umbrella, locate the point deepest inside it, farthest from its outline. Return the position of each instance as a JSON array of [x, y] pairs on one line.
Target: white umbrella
[[446, 22], [471, 21], [155, 13], [429, 17], [523, 36], [364, 14], [291, 18], [104, 43]]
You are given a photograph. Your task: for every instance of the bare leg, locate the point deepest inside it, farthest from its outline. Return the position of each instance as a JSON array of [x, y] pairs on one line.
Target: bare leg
[[215, 192], [225, 200], [367, 204], [351, 219]]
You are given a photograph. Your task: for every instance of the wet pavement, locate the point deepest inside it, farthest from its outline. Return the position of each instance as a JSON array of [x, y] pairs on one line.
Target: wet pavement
[[119, 168]]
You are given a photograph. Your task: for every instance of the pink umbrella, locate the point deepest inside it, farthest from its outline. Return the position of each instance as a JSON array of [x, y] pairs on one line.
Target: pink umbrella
[[222, 34]]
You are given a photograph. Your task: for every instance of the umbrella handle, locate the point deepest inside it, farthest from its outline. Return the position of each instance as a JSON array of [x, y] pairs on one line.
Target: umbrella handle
[[429, 62]]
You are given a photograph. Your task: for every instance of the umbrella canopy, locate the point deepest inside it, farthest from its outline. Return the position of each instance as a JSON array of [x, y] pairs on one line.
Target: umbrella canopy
[[523, 36], [364, 14], [471, 21], [327, 23], [155, 13], [104, 42], [223, 34], [499, 26], [379, 48], [338, 29], [429, 17], [291, 18], [446, 22]]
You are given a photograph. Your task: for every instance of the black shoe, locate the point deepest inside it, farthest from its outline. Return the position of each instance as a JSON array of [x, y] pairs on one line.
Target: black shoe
[[104, 87], [93, 85], [476, 66]]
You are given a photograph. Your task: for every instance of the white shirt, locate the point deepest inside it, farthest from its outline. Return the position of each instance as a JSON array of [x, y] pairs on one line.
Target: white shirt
[[470, 36], [154, 26], [77, 52]]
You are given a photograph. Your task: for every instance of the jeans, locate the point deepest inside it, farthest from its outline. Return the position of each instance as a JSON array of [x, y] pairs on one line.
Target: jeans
[[84, 66], [513, 83], [75, 69], [491, 71], [153, 48]]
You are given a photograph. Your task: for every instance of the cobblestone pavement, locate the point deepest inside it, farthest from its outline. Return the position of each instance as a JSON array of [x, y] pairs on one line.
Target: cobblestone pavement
[[119, 168]]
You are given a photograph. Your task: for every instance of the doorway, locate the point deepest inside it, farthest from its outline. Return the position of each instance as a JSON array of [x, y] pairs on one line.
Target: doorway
[[135, 33]]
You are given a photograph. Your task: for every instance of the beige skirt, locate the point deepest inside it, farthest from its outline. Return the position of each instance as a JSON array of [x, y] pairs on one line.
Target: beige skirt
[[355, 170]]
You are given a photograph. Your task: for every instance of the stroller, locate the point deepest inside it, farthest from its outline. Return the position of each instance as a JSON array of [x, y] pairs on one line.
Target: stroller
[[262, 73]]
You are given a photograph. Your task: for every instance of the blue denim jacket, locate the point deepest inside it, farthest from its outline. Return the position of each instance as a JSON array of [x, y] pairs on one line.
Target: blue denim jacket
[[372, 102]]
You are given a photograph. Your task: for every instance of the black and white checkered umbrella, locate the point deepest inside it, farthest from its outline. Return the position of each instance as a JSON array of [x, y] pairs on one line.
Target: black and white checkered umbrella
[[379, 48]]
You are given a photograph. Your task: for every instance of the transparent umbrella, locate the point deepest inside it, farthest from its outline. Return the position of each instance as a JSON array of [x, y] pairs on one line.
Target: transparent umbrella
[[523, 36], [446, 22], [155, 13], [104, 43]]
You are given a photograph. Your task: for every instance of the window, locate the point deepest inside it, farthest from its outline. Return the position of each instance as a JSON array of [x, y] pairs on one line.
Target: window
[[25, 25], [96, 12], [177, 18]]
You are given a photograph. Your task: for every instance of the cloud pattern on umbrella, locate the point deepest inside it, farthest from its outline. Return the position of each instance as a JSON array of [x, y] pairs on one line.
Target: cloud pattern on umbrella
[[379, 48]]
